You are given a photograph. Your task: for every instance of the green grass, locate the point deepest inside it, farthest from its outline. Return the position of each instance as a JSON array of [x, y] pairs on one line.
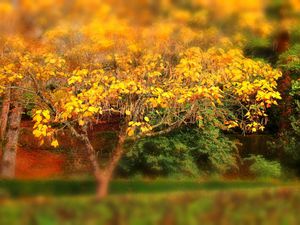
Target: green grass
[[276, 206], [22, 188]]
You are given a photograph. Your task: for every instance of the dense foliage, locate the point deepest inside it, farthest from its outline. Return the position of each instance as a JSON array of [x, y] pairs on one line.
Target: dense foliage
[[154, 67], [260, 167], [184, 153]]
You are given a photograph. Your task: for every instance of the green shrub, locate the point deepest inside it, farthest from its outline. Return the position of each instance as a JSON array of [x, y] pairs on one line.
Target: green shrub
[[260, 49], [290, 61], [220, 151], [187, 152], [159, 156], [289, 140], [295, 34], [263, 168]]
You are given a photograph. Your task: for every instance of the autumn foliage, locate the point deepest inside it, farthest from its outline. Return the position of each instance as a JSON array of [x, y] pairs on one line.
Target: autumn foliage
[[155, 67]]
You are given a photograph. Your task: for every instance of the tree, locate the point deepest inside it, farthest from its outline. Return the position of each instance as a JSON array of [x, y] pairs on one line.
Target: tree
[[151, 96], [11, 75], [16, 41], [8, 130], [102, 69]]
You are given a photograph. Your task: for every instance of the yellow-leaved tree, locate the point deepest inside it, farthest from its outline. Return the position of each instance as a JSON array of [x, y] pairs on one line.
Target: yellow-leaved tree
[[83, 63], [151, 95]]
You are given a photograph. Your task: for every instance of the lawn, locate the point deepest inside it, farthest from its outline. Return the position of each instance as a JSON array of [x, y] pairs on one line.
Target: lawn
[[160, 202], [61, 187]]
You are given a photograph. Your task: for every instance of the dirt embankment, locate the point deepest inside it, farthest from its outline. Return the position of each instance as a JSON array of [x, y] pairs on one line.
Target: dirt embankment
[[38, 162]]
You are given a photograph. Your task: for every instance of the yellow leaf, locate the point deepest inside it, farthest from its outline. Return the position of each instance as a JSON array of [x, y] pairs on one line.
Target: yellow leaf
[[137, 124], [81, 122], [130, 132], [182, 100], [248, 114], [37, 133], [146, 119], [46, 114], [128, 113], [219, 102], [144, 129], [54, 143], [37, 118], [93, 109]]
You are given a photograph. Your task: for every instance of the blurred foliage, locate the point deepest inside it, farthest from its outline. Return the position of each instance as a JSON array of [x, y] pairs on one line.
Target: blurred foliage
[[263, 168], [295, 118], [159, 156], [289, 141], [290, 61], [186, 152], [295, 35], [168, 28], [260, 48], [272, 206]]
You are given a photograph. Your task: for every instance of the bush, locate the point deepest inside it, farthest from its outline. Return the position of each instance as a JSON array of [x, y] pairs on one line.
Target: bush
[[290, 61], [289, 140], [159, 156], [260, 49], [263, 168], [220, 151], [187, 152]]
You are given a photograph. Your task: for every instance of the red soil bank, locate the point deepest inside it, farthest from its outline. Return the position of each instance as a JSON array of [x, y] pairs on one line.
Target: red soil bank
[[37, 164], [42, 162]]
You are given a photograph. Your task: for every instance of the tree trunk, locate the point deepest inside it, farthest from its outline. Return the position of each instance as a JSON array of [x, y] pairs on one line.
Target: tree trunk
[[102, 177], [11, 141], [11, 119], [4, 114], [106, 176], [102, 186], [284, 84]]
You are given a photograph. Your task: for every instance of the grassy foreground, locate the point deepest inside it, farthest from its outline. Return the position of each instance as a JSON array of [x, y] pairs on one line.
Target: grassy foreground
[[27, 188], [258, 206], [212, 204]]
